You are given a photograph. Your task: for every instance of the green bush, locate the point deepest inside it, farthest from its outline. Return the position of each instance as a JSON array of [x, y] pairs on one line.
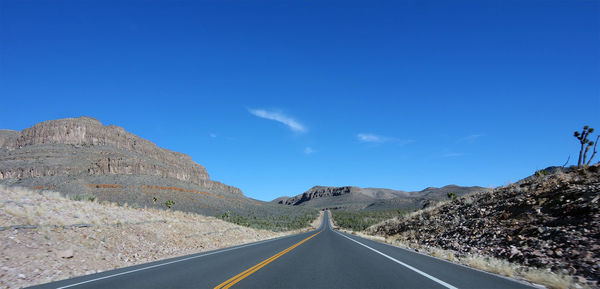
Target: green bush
[[360, 220], [284, 220], [83, 198], [541, 173], [169, 203]]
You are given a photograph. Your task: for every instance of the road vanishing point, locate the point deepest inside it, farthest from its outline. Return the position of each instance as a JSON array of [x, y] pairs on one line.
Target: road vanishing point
[[324, 258]]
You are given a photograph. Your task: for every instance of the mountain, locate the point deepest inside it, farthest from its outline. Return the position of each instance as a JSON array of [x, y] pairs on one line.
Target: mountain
[[333, 197], [280, 200], [355, 198], [424, 197], [82, 157]]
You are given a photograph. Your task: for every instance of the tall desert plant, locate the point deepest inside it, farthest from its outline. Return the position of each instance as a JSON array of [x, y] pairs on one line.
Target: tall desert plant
[[586, 144], [594, 153]]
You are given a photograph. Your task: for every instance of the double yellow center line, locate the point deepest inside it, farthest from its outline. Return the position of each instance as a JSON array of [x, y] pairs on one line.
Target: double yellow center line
[[237, 278]]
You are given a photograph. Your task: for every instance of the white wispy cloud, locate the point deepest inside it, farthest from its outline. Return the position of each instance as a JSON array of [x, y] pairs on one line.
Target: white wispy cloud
[[367, 137], [309, 151], [373, 138], [470, 138], [452, 155], [212, 135], [293, 124]]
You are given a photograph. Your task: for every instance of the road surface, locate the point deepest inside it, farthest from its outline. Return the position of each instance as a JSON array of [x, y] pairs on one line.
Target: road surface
[[323, 258]]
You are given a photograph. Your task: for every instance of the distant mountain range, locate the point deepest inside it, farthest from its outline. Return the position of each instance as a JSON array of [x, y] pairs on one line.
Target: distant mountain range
[[355, 198]]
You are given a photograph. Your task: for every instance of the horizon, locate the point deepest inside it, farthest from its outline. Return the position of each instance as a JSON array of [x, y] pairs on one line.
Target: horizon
[[275, 98]]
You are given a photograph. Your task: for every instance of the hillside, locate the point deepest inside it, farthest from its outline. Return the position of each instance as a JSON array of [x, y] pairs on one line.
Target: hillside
[[81, 157], [355, 198], [545, 221], [46, 237]]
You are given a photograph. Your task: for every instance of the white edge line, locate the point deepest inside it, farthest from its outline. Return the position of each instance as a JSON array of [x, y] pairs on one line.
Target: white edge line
[[411, 250], [176, 261], [402, 263]]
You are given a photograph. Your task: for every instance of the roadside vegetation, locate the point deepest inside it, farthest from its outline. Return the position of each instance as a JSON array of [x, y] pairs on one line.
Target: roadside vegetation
[[586, 144], [275, 220], [360, 220]]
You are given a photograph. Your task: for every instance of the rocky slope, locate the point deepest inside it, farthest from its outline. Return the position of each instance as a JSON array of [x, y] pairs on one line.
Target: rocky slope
[[548, 221], [81, 156], [355, 198]]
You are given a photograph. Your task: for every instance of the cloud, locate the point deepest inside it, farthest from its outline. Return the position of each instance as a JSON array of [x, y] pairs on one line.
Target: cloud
[[452, 155], [470, 138], [309, 151], [212, 135], [367, 137], [373, 138], [279, 117]]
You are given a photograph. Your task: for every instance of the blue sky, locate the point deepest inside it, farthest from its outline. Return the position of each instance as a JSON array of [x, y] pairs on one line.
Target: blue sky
[[277, 96]]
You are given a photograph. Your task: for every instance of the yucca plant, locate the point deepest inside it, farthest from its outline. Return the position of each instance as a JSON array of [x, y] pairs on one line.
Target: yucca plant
[[586, 144]]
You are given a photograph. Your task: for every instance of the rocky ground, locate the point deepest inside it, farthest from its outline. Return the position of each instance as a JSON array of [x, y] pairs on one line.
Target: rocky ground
[[547, 221], [46, 237]]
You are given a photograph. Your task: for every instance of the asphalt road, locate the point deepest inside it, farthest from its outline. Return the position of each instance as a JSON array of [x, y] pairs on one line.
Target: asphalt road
[[320, 259]]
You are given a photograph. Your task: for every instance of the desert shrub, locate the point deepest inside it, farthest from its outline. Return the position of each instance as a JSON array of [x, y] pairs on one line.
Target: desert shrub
[[586, 144], [274, 219], [169, 203], [360, 220], [541, 173], [83, 198]]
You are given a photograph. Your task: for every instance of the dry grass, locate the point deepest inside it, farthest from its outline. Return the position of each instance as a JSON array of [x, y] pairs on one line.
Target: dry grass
[[531, 274], [102, 236]]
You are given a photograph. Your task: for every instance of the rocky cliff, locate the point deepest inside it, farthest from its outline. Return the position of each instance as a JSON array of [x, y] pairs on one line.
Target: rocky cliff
[[317, 192], [84, 134], [83, 147]]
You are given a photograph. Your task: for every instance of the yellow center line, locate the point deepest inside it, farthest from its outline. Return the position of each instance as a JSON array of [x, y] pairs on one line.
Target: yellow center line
[[237, 278]]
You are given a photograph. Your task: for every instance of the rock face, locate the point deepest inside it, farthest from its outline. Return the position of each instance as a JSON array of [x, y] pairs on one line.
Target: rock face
[[546, 221], [106, 150], [317, 192]]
